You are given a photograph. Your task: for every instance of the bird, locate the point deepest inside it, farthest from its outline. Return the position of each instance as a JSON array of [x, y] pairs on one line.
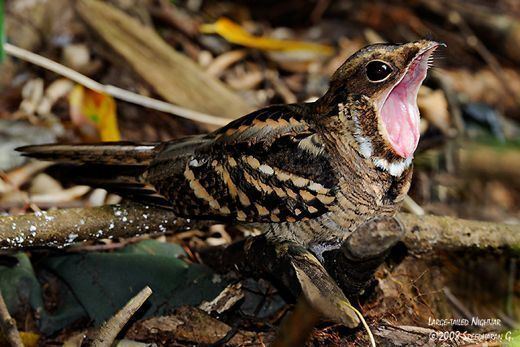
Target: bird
[[308, 173]]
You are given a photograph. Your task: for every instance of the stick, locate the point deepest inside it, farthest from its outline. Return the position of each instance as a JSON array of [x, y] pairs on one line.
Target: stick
[[108, 332], [62, 227], [114, 91], [8, 325]]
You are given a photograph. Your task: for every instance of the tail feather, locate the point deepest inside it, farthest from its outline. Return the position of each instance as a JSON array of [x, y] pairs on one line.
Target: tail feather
[[119, 167], [112, 153]]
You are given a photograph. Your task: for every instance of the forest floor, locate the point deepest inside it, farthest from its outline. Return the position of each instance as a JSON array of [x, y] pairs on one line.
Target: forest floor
[[208, 63]]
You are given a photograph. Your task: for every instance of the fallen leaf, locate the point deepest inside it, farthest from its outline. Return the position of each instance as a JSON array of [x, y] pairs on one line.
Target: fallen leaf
[[63, 195], [22, 291], [107, 280], [56, 90], [234, 33], [19, 133], [105, 283], [32, 94], [44, 184], [225, 300], [77, 56], [29, 339], [88, 107]]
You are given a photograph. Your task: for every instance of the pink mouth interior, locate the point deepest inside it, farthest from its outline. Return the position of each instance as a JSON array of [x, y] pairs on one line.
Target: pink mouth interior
[[400, 114]]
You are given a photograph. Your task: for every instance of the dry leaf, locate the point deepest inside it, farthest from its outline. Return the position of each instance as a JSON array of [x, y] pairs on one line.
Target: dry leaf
[[65, 195], [234, 33], [88, 107]]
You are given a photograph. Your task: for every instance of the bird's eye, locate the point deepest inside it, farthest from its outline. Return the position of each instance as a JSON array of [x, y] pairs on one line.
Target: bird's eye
[[378, 71]]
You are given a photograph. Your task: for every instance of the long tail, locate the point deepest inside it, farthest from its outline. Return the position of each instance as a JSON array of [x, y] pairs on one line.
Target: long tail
[[119, 167], [113, 153]]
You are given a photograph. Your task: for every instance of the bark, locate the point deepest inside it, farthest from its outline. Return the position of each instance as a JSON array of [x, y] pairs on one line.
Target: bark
[[429, 233]]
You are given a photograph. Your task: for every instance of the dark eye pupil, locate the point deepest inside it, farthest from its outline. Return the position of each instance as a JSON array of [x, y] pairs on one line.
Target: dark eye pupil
[[377, 71]]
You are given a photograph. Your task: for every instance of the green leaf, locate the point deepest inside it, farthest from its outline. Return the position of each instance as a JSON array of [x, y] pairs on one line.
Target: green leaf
[[19, 285], [95, 285], [22, 292], [104, 282], [2, 31]]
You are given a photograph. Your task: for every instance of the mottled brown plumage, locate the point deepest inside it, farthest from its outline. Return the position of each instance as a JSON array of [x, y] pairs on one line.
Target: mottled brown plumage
[[308, 173]]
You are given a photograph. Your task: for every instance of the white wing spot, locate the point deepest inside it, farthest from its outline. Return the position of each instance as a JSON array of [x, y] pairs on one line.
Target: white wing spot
[[266, 169]]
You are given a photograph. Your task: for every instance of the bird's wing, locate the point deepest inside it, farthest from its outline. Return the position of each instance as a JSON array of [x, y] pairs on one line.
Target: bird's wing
[[268, 166]]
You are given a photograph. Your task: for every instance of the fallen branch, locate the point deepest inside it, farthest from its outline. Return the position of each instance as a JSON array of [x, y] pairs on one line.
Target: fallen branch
[[8, 325], [59, 228], [107, 333]]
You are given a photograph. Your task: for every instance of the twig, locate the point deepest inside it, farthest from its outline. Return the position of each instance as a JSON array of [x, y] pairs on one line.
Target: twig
[[114, 91], [474, 42], [411, 206], [280, 87], [107, 333], [456, 302], [451, 97], [8, 325]]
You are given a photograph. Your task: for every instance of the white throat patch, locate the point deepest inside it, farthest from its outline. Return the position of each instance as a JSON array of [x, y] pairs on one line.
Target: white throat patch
[[394, 168]]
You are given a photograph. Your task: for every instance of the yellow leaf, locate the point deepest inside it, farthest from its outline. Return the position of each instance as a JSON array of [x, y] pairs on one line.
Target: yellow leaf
[[29, 339], [96, 109], [234, 33]]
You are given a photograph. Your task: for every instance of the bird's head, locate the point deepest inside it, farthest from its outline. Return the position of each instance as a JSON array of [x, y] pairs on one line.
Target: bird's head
[[376, 89]]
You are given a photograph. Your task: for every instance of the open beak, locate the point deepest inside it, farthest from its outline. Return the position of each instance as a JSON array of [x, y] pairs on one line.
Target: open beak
[[398, 111]]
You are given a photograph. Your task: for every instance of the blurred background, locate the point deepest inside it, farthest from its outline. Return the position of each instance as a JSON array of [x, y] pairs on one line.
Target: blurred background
[[224, 59]]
